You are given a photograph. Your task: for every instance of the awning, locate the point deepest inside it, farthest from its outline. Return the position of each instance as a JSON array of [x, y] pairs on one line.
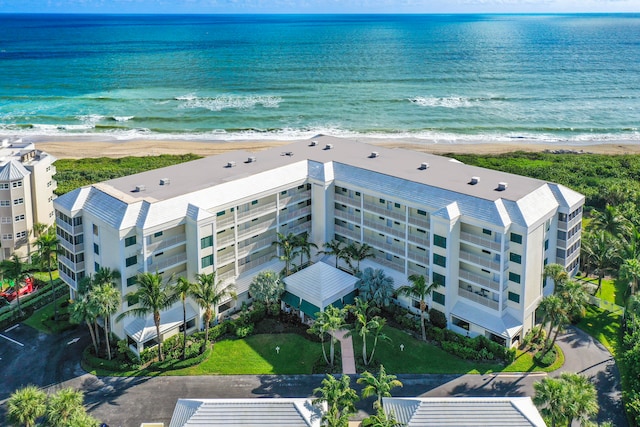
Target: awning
[[291, 299], [349, 299], [506, 326], [309, 309], [142, 329], [337, 303], [320, 284]]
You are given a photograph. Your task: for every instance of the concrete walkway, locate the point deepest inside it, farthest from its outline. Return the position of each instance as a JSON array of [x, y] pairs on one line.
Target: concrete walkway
[[346, 346]]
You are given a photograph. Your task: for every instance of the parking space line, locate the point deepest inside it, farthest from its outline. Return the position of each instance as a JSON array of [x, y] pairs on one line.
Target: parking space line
[[12, 328], [12, 340]]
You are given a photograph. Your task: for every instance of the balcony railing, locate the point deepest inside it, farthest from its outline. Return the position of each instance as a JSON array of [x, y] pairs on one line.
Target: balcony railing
[[421, 257], [480, 240], [291, 214], [294, 198], [382, 210], [479, 260], [68, 280], [166, 243], [256, 211], [423, 241], [396, 248], [299, 229], [225, 221], [249, 246], [346, 200], [378, 226], [480, 280], [354, 218], [225, 240], [226, 275], [419, 222], [71, 229], [353, 234], [254, 263], [71, 247], [165, 263], [396, 265], [256, 229], [479, 298], [414, 269]]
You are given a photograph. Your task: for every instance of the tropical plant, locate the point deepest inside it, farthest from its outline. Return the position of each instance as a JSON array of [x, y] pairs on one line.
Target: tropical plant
[[328, 322], [565, 399], [304, 246], [630, 273], [335, 248], [375, 286], [267, 287], [286, 246], [106, 299], [63, 407], [357, 252], [419, 290], [555, 311], [184, 289], [340, 399], [47, 246], [26, 405], [153, 296], [380, 419], [609, 220], [555, 272], [14, 269], [379, 386], [365, 326], [209, 293], [599, 251], [82, 310]]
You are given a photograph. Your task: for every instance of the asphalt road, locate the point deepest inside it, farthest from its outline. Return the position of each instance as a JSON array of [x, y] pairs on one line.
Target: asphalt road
[[53, 362]]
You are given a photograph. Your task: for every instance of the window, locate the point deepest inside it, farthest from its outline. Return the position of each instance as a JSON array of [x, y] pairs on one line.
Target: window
[[382, 201], [129, 241], [562, 217], [514, 277], [5, 203], [21, 234], [206, 242], [19, 218], [221, 213], [96, 249], [16, 184], [421, 212], [485, 231], [515, 258], [18, 201], [516, 238], [132, 260], [95, 230], [6, 220], [131, 281], [439, 260], [440, 241], [96, 266], [514, 297], [157, 234], [7, 236], [4, 186], [397, 205], [254, 202], [438, 297], [460, 323], [546, 244], [206, 261]]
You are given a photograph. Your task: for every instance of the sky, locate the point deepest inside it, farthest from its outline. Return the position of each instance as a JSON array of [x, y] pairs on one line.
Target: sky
[[318, 6]]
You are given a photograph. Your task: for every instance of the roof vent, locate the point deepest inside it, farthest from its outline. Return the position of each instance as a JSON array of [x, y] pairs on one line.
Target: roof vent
[[374, 154], [251, 159], [231, 164], [313, 143], [139, 188], [289, 153], [502, 186], [424, 166], [328, 146], [165, 181], [474, 180]]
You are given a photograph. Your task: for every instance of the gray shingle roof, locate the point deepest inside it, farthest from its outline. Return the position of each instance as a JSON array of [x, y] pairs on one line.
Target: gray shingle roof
[[13, 170]]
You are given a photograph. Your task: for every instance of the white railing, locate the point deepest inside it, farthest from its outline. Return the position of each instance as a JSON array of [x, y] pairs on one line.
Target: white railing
[[225, 240], [354, 234], [479, 260], [382, 244], [396, 265], [480, 240], [419, 240], [166, 243], [225, 258], [480, 280], [420, 222], [479, 298], [71, 229], [304, 195], [306, 227], [306, 210], [383, 228], [165, 263], [256, 229], [357, 219], [223, 222], [68, 280], [414, 269], [254, 263], [247, 248], [257, 211], [382, 210], [344, 199], [71, 247], [422, 258]]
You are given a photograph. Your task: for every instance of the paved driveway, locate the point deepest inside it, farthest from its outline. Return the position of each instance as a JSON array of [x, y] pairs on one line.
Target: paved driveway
[[127, 402]]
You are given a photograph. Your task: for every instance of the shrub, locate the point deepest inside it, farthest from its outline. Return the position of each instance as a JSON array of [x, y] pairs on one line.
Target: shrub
[[244, 331], [437, 318]]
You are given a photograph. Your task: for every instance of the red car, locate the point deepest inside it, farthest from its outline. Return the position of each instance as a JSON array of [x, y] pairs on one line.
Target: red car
[[10, 293]]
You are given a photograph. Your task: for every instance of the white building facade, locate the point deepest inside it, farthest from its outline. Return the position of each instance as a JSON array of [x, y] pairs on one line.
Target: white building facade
[[483, 235]]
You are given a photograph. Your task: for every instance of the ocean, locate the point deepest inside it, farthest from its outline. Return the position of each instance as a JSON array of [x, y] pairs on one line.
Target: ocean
[[569, 78]]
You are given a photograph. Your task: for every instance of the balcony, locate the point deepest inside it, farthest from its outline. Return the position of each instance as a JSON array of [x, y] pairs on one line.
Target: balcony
[[294, 198], [225, 240], [396, 248], [299, 229], [564, 225], [344, 231], [382, 210], [249, 246], [347, 200], [481, 280], [68, 280], [225, 221], [71, 229], [397, 265], [380, 227], [165, 263], [421, 222], [478, 298], [479, 260], [79, 266], [418, 239], [71, 247], [254, 263], [354, 218], [567, 243], [294, 213], [256, 229], [480, 241], [168, 242], [421, 257], [414, 269], [225, 258], [256, 211], [226, 275]]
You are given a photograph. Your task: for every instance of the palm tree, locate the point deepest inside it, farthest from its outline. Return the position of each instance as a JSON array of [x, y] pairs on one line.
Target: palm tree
[[107, 301], [209, 293], [106, 275], [153, 296], [47, 244], [26, 405], [610, 220], [633, 309], [380, 419], [555, 272], [304, 246], [375, 286], [328, 322], [629, 247], [286, 245], [379, 386], [599, 251], [565, 399], [575, 298], [358, 252], [14, 269], [340, 399], [82, 310], [335, 248], [184, 289], [419, 290], [63, 406], [630, 273], [555, 310]]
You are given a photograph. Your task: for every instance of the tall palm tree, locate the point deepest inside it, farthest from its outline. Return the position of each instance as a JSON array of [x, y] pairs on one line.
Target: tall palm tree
[[47, 245], [184, 289], [610, 220], [630, 273], [209, 293], [555, 272], [106, 275], [599, 251], [328, 322], [419, 290], [633, 310], [358, 252], [304, 246], [63, 406], [286, 245], [362, 324], [629, 247], [107, 301], [26, 405], [380, 419], [335, 248], [13, 268], [380, 385], [82, 310], [575, 298], [340, 399], [556, 312], [153, 295], [565, 399]]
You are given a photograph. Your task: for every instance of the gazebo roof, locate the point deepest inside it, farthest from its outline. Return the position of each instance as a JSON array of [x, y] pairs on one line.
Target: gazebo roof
[[320, 284]]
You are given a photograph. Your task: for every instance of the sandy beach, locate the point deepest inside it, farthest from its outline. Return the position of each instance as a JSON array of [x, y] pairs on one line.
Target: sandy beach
[[91, 147]]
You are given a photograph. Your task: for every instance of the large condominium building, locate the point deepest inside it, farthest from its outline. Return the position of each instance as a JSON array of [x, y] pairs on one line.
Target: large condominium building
[[26, 195], [483, 235]]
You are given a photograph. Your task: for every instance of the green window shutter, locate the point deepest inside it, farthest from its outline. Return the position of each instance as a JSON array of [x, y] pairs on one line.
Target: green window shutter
[[514, 297], [440, 241], [438, 297]]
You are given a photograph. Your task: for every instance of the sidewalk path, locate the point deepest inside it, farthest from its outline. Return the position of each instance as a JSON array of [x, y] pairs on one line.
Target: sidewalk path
[[346, 346]]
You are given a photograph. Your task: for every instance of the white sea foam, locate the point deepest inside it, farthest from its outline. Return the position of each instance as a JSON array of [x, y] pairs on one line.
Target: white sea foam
[[90, 119], [188, 97], [445, 102], [122, 118], [224, 102]]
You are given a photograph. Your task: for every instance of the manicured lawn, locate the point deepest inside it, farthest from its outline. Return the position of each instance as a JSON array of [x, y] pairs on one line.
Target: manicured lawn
[[257, 355], [612, 290], [525, 363], [603, 326], [40, 320]]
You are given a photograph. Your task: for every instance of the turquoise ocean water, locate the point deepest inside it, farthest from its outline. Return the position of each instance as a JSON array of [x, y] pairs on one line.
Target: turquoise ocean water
[[573, 78]]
